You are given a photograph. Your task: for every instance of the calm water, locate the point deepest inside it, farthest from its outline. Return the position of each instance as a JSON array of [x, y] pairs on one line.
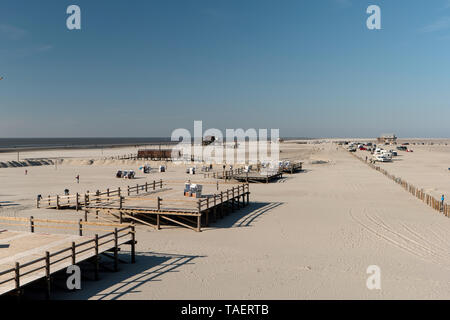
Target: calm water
[[19, 143]]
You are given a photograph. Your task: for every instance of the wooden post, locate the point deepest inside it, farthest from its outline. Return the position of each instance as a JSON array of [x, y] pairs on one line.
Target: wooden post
[[154, 184], [47, 273], [57, 202], [248, 194], [73, 253], [118, 192], [121, 203], [78, 201], [232, 199], [32, 224], [221, 204], [80, 227], [116, 250], [199, 223], [137, 188], [85, 215], [37, 202], [159, 203], [120, 217], [96, 259], [17, 276], [146, 186], [128, 189], [160, 183], [133, 244]]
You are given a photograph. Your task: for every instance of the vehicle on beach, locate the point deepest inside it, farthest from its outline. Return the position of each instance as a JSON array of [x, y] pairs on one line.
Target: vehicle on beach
[[352, 149], [382, 158], [393, 152]]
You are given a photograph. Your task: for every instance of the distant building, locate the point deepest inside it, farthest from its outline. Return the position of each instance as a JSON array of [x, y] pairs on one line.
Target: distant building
[[387, 138]]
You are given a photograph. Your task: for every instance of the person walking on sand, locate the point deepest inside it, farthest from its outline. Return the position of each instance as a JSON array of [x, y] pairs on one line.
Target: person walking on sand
[[442, 201], [26, 171], [78, 178]]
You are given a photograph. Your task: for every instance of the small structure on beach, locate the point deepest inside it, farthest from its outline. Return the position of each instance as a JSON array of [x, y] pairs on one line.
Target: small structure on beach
[[160, 154], [387, 138]]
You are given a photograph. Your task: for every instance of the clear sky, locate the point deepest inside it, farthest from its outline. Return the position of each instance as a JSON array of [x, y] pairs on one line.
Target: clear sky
[[146, 67]]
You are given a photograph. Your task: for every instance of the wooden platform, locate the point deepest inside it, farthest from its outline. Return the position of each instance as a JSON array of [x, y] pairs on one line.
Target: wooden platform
[[293, 168], [192, 213], [258, 177], [27, 257]]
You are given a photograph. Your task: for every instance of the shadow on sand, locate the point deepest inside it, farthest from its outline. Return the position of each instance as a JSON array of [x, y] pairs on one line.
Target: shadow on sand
[[149, 267], [245, 217]]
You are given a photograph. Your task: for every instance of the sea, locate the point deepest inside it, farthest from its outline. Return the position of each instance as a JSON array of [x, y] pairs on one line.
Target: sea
[[57, 143]]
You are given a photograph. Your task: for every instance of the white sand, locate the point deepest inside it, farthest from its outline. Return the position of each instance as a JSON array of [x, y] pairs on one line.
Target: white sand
[[309, 236]]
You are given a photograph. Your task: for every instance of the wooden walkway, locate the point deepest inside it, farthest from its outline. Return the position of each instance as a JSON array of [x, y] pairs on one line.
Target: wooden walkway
[[192, 213], [28, 257]]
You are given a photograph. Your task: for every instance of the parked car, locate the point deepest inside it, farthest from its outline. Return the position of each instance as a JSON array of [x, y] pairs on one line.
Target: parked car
[[381, 158]]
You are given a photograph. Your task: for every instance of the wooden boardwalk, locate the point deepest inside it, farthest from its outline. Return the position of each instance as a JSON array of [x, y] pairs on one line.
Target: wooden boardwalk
[[28, 257], [192, 213]]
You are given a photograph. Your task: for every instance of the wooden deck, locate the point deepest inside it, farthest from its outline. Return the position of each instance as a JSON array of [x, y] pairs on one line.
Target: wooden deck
[[192, 213], [293, 168], [27, 257]]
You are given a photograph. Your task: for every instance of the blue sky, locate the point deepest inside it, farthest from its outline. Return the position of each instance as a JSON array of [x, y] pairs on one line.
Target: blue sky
[[146, 67]]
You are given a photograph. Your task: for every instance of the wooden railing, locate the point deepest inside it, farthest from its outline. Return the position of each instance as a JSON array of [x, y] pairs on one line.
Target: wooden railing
[[79, 200], [200, 205], [98, 244]]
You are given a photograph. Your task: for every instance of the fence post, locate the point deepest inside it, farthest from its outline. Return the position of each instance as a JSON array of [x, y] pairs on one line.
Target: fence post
[[57, 202], [80, 227], [78, 201], [17, 276], [73, 253], [133, 244], [160, 183], [116, 250], [96, 258], [32, 224], [159, 203], [47, 273]]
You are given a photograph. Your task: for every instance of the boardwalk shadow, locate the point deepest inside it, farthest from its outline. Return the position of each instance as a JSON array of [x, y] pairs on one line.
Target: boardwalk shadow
[[149, 267], [245, 217]]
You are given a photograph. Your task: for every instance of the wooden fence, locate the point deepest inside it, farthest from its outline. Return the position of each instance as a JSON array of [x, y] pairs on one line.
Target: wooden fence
[[79, 200], [415, 191], [75, 253]]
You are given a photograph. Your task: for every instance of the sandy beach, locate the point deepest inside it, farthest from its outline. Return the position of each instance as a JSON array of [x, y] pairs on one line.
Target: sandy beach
[[310, 235]]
